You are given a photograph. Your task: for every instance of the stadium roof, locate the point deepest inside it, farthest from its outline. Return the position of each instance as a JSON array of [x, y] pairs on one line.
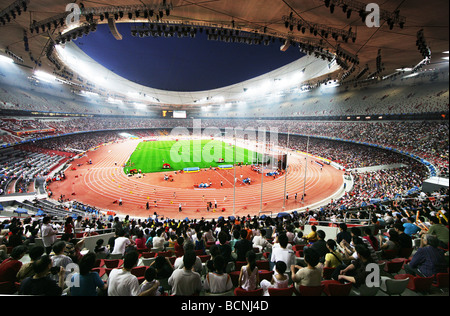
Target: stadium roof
[[383, 49]]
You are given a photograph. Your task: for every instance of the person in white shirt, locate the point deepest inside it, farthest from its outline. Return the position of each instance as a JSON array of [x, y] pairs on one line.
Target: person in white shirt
[[48, 234], [260, 241], [283, 252], [186, 282], [179, 262], [77, 224], [121, 282], [121, 243], [218, 281], [159, 240], [59, 259]]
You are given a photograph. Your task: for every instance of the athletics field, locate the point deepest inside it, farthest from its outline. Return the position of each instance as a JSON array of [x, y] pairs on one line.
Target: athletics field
[[150, 156]]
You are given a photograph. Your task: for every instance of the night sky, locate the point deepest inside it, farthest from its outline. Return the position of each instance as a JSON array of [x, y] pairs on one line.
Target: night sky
[[182, 64]]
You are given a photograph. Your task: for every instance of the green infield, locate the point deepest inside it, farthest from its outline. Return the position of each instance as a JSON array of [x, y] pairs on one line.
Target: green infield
[[151, 156]]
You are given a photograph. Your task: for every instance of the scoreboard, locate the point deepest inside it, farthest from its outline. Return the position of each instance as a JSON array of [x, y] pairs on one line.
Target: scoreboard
[[174, 114]]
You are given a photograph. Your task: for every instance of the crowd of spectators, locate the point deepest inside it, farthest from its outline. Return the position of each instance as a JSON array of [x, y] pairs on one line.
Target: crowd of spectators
[[422, 96], [78, 142], [21, 125], [381, 185], [228, 240], [425, 139]]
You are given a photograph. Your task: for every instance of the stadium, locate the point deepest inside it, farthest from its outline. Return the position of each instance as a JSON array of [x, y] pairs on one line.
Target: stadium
[[298, 139]]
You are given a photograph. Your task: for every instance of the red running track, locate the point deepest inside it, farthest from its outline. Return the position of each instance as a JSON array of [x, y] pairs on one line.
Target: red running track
[[103, 182]]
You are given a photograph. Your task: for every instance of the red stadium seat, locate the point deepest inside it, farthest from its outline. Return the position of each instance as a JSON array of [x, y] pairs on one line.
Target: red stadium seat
[[336, 288], [441, 281], [394, 266], [263, 264], [309, 290], [241, 292], [417, 283], [327, 273], [113, 263], [265, 275], [281, 292]]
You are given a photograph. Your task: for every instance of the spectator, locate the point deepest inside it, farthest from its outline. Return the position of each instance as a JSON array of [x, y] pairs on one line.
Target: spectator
[[280, 280], [69, 227], [371, 239], [311, 275], [40, 283], [149, 242], [200, 243], [73, 247], [248, 276], [86, 282], [59, 258], [214, 251], [350, 252], [185, 281], [11, 266], [121, 243], [356, 272], [320, 246], [242, 246], [26, 270], [112, 240], [234, 239], [159, 240], [140, 240], [163, 267], [333, 258], [405, 241], [312, 236], [224, 247], [410, 228], [298, 239], [121, 282], [100, 249], [390, 243], [261, 242], [48, 234], [282, 253], [178, 246], [179, 262], [151, 284], [218, 281], [16, 237], [439, 230], [356, 239], [428, 259]]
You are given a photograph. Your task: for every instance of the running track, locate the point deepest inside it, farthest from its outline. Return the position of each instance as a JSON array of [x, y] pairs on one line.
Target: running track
[[104, 182]]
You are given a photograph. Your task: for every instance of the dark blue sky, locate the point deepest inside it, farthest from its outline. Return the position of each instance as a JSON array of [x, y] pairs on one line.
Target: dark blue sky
[[182, 64]]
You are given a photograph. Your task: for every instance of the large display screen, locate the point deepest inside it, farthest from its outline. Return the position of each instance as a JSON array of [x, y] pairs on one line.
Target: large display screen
[[173, 114], [179, 114]]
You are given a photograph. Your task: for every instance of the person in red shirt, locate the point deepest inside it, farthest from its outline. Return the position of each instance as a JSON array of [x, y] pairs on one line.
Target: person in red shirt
[[140, 240], [69, 227], [10, 266], [178, 246]]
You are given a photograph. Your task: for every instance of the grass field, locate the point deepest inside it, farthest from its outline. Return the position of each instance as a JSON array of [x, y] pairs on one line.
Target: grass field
[[150, 156]]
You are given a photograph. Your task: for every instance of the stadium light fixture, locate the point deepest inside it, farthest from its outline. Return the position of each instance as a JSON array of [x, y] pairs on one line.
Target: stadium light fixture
[[114, 101], [297, 76], [89, 94], [41, 75], [139, 105], [407, 69], [6, 60]]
